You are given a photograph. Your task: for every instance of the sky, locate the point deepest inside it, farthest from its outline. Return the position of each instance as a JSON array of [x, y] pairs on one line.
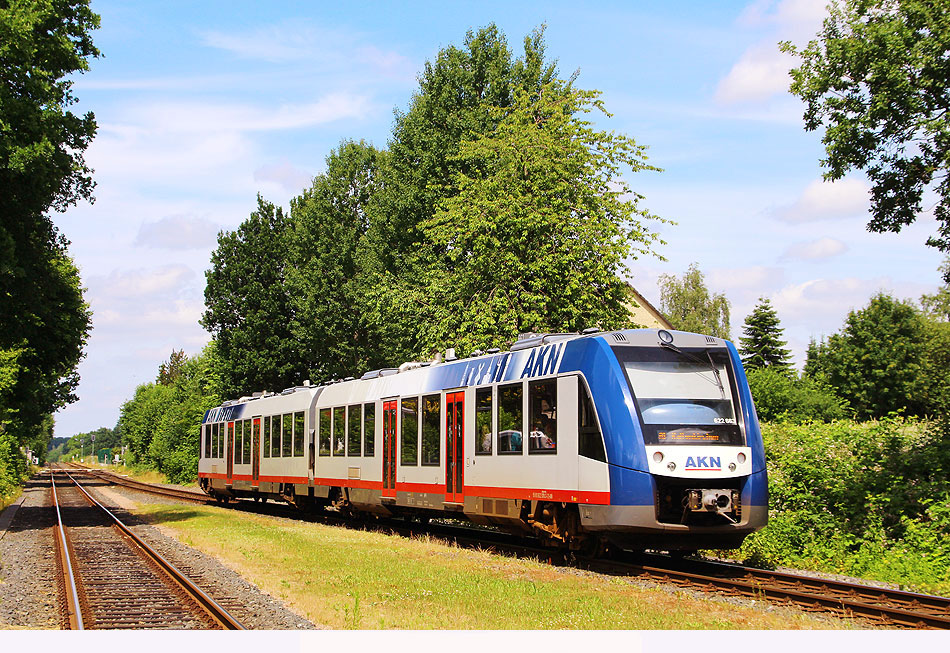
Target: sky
[[202, 106]]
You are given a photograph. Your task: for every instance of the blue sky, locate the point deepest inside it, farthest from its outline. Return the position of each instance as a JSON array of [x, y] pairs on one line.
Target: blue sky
[[202, 105]]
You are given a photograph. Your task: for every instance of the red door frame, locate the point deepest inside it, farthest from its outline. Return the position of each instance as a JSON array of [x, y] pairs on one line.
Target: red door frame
[[230, 453], [455, 447], [390, 411], [256, 452]]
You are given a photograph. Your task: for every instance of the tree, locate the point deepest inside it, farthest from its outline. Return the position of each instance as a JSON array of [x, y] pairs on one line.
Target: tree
[[877, 80], [329, 222], [247, 306], [783, 395], [170, 370], [536, 237], [688, 305], [937, 306], [457, 99], [877, 360], [44, 321], [762, 345]]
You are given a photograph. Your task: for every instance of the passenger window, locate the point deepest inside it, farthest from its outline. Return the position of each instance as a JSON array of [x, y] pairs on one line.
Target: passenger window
[[206, 439], [409, 431], [353, 423], [369, 429], [542, 395], [339, 431], [274, 442], [299, 427], [483, 430], [325, 432], [286, 436], [510, 418], [238, 440], [590, 442], [430, 429], [247, 441], [265, 422]]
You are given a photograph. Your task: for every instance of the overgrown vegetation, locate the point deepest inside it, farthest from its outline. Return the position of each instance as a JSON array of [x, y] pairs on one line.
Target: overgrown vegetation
[[865, 499]]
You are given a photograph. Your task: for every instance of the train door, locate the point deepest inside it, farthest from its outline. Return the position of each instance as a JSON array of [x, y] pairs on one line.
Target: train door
[[454, 446], [230, 452], [256, 452], [390, 410]]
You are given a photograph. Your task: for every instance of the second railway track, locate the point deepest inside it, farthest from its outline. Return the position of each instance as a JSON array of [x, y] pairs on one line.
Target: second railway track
[[112, 579]]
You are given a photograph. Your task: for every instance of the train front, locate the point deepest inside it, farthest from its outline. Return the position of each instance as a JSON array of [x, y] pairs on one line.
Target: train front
[[684, 451]]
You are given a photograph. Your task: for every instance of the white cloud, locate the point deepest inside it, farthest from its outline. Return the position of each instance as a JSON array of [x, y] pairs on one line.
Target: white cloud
[[822, 200], [285, 175], [141, 284], [178, 232], [813, 250], [762, 70], [760, 73]]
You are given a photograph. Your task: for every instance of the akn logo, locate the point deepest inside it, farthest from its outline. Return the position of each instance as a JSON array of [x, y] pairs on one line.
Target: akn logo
[[708, 463]]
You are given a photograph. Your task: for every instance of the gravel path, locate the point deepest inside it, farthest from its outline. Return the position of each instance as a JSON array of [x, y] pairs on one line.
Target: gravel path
[[29, 576]]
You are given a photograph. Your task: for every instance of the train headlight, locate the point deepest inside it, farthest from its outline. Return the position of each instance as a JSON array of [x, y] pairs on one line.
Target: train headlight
[[671, 466], [741, 457], [665, 336], [657, 456]]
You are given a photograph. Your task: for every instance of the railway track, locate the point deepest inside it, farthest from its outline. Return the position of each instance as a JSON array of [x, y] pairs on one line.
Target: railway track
[[112, 579], [882, 606]]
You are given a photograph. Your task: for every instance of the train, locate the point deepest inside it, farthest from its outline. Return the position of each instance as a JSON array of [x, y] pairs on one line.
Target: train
[[632, 439]]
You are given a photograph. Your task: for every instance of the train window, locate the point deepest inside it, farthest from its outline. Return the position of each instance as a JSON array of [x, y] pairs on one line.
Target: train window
[[483, 430], [542, 397], [247, 441], [369, 429], [430, 429], [286, 436], [339, 431], [510, 418], [325, 422], [206, 439], [274, 441], [409, 433], [265, 421], [353, 424], [299, 427], [237, 443], [590, 442]]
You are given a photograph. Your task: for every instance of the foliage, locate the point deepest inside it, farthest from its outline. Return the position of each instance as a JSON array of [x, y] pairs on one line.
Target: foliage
[[44, 321], [937, 306], [865, 499], [761, 344], [876, 79], [459, 97], [328, 224], [788, 397], [161, 424], [882, 360], [536, 238], [247, 306], [12, 468], [688, 305], [76, 445]]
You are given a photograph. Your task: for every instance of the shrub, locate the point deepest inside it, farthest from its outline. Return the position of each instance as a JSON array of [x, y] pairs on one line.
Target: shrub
[[784, 396]]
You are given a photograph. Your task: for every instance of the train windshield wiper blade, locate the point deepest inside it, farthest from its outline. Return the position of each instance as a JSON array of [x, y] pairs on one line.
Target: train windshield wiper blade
[[696, 359]]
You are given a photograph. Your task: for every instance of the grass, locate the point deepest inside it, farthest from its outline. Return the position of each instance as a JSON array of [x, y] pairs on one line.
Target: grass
[[144, 474], [347, 579]]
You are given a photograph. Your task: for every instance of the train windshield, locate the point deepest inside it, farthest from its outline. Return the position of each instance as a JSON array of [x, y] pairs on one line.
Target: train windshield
[[683, 396]]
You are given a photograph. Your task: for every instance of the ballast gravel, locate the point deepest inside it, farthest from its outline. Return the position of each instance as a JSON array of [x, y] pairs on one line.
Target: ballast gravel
[[29, 575]]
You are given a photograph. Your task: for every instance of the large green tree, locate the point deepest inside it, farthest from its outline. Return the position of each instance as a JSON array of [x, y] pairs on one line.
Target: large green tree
[[44, 321], [536, 237], [248, 309], [878, 361], [877, 80], [329, 222], [761, 344], [457, 100], [689, 306]]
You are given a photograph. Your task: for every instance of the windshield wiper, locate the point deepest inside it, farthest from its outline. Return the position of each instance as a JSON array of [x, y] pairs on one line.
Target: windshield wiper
[[696, 359]]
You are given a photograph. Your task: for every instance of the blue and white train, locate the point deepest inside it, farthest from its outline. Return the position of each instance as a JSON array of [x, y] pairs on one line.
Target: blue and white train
[[638, 439]]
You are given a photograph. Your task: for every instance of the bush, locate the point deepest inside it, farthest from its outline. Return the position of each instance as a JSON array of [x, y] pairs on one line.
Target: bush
[[787, 397], [865, 499]]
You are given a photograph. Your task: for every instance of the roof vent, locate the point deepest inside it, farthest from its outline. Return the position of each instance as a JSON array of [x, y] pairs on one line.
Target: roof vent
[[493, 350], [710, 340], [450, 355], [619, 337]]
